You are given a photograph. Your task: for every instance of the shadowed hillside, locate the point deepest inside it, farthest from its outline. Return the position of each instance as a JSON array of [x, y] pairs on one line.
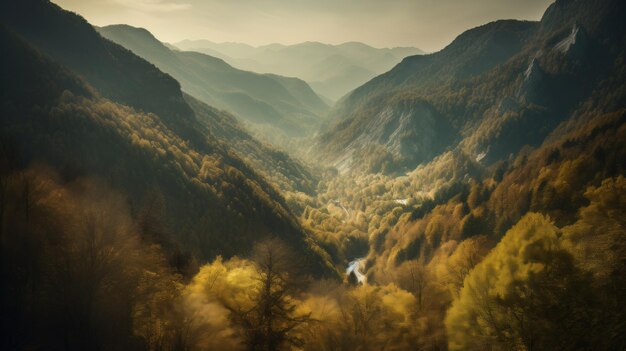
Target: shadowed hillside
[[209, 199], [271, 103], [499, 86]]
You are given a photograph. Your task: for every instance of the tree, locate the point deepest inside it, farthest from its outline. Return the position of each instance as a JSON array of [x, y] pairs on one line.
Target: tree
[[414, 278], [269, 324], [365, 317], [466, 255], [527, 294], [79, 273]]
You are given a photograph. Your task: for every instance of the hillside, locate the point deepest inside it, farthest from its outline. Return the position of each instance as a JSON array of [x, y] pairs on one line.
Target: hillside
[[285, 173], [555, 104], [117, 74], [532, 179], [332, 70], [270, 103], [410, 127], [205, 197], [499, 86], [466, 200]]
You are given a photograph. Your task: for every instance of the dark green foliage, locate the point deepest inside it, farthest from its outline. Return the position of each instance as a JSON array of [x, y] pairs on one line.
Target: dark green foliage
[[214, 202], [114, 71], [72, 265], [500, 86], [410, 85], [284, 172]]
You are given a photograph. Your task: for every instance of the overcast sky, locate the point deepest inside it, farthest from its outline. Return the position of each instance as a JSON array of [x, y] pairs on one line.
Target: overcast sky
[[427, 24]]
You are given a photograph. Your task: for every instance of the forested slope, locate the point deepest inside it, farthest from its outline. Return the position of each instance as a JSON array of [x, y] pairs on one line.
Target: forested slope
[[269, 102], [532, 187], [151, 150], [494, 89]]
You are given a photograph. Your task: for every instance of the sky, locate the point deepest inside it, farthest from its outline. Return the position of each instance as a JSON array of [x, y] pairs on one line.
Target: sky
[[427, 24]]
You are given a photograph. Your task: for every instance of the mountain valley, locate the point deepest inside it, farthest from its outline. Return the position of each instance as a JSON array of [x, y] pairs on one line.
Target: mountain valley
[[168, 197]]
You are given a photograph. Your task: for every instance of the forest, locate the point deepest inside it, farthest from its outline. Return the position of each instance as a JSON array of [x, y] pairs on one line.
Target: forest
[[469, 199]]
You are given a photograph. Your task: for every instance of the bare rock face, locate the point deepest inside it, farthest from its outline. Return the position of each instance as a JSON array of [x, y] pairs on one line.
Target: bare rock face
[[507, 104], [576, 44], [409, 133], [534, 78]]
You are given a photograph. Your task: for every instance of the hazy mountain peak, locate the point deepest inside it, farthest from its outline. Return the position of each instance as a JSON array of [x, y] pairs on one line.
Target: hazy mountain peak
[[356, 44], [276, 107], [140, 36], [351, 63]]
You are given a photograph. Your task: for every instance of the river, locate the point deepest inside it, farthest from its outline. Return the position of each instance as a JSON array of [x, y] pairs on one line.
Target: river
[[355, 266]]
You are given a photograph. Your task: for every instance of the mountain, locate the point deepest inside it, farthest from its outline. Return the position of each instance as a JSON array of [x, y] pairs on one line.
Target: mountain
[[332, 70], [391, 124], [478, 204], [228, 49], [336, 75], [530, 116], [118, 75], [270, 103], [493, 90], [530, 123], [88, 107]]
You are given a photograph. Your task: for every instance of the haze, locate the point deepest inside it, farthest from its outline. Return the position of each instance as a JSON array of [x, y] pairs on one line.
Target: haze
[[427, 24]]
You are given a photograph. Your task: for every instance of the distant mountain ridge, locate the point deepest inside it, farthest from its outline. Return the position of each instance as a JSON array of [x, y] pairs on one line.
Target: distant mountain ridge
[[270, 102], [332, 70]]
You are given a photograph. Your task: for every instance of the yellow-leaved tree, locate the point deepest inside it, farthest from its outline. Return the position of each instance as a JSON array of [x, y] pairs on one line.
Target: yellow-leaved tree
[[527, 294]]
